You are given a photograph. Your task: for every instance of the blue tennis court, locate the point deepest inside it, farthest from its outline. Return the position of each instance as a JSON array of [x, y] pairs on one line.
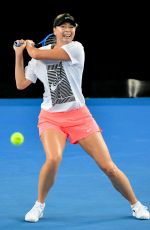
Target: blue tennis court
[[82, 197]]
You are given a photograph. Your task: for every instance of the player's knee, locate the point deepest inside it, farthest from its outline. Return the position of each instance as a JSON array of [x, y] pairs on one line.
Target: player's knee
[[110, 170], [54, 161]]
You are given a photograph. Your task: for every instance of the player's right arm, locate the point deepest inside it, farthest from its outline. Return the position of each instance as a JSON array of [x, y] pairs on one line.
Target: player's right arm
[[21, 81]]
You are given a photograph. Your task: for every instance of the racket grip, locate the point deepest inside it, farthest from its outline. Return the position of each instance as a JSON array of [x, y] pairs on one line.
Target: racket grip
[[18, 43]]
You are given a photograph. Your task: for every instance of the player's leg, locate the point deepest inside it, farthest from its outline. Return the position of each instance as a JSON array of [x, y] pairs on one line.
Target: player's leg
[[53, 142], [95, 146]]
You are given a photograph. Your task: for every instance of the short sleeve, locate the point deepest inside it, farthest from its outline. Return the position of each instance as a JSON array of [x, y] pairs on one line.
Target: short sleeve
[[29, 72], [75, 51]]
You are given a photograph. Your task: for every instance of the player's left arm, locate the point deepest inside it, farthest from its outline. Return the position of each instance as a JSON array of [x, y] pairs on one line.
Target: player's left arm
[[57, 53]]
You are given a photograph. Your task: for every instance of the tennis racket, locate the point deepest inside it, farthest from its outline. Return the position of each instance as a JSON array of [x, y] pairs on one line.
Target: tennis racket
[[49, 39]]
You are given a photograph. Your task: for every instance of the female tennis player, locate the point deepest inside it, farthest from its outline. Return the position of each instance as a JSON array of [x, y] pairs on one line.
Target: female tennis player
[[64, 113]]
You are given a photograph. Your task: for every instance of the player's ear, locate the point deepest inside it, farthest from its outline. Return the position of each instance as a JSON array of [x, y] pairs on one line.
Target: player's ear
[[54, 29]]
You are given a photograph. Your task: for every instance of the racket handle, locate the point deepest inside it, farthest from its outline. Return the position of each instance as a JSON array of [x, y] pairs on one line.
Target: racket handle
[[18, 43]]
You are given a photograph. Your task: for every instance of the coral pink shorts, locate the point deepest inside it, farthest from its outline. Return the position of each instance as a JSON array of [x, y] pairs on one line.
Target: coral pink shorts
[[75, 124]]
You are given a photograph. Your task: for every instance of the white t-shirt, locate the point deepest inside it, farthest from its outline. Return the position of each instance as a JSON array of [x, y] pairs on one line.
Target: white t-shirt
[[62, 80]]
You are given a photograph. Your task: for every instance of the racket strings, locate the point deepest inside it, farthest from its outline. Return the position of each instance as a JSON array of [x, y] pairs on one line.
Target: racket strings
[[50, 40]]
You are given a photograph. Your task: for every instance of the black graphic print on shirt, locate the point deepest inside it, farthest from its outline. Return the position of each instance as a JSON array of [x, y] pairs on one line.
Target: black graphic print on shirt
[[58, 84]]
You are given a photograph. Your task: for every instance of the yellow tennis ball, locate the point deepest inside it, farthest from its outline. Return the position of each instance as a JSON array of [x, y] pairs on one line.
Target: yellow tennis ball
[[17, 138]]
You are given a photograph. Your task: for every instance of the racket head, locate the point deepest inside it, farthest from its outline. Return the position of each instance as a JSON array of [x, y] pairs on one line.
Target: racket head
[[49, 39]]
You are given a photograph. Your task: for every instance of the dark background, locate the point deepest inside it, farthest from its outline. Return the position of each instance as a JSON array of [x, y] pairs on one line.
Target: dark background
[[115, 37]]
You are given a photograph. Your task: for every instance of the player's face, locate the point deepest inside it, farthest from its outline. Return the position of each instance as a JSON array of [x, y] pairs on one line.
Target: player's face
[[65, 32]]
